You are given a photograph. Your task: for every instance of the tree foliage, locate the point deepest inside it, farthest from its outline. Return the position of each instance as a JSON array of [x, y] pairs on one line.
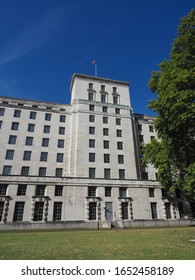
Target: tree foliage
[[174, 84]]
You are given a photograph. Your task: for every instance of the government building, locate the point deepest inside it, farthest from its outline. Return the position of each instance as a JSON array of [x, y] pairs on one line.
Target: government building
[[79, 165]]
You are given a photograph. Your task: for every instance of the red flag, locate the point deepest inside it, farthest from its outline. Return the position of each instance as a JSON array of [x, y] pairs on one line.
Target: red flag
[[94, 62]]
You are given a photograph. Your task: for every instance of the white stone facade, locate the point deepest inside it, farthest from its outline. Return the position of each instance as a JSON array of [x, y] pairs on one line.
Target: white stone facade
[[79, 164]]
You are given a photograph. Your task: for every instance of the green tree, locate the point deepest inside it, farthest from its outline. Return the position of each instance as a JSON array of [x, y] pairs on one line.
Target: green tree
[[173, 153]]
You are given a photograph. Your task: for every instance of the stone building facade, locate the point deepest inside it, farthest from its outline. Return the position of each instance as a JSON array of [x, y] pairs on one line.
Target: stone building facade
[[79, 165]]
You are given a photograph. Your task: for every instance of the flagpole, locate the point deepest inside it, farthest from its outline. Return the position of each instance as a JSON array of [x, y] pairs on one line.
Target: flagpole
[[96, 69]]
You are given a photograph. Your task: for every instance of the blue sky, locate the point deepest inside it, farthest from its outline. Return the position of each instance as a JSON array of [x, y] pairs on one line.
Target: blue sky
[[43, 42]]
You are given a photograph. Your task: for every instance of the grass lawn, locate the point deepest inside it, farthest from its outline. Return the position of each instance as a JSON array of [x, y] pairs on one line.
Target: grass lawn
[[128, 244]]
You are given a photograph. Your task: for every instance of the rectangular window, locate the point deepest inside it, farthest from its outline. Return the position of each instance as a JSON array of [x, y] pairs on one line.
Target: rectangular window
[[46, 129], [117, 111], [42, 171], [27, 155], [91, 172], [91, 118], [21, 190], [114, 89], [40, 190], [145, 175], [15, 126], [141, 138], [168, 210], [9, 154], [7, 170], [121, 159], [17, 113], [154, 210], [91, 130], [60, 143], [105, 120], [33, 115], [60, 157], [91, 143], [90, 96], [25, 170], [108, 191], [104, 109], [120, 145], [29, 141], [38, 211], [91, 157], [59, 172], [91, 191], [122, 192], [151, 192], [43, 156], [151, 128], [106, 144], [61, 130], [121, 174], [58, 190], [90, 85], [57, 211], [119, 133], [105, 131], [124, 210], [47, 117], [1, 210], [106, 158], [118, 121], [18, 211], [3, 189], [107, 173], [103, 87], [152, 138], [103, 98], [92, 210], [45, 142], [2, 112], [115, 99], [139, 127], [1, 124], [91, 107], [164, 193], [62, 118], [31, 127]]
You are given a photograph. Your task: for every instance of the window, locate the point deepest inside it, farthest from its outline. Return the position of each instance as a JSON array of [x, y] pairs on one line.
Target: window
[[168, 210], [29, 141], [91, 130], [154, 210], [115, 99], [92, 191], [108, 191], [141, 138], [151, 128], [38, 211], [164, 193], [91, 118], [61, 130], [15, 126], [103, 98], [0, 124], [46, 129], [105, 120], [139, 127], [151, 192], [122, 174], [118, 121], [119, 133], [3, 189], [17, 113], [91, 157], [18, 211], [114, 89], [21, 190], [60, 157], [31, 127], [45, 142], [120, 145], [1, 210], [124, 210], [7, 170], [47, 117], [60, 143], [62, 118], [59, 172], [92, 210], [103, 87], [106, 144], [91, 172], [40, 190], [42, 171], [107, 173], [122, 192], [152, 138], [105, 131], [2, 112], [33, 115], [104, 109], [145, 175], [91, 143], [117, 111], [90, 86], [12, 139], [9, 154], [91, 107], [90, 96], [57, 211], [58, 190], [121, 159], [25, 170], [27, 155], [106, 158]]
